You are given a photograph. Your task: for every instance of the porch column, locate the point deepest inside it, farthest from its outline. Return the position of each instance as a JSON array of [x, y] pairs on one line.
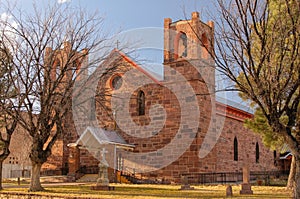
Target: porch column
[[74, 161]]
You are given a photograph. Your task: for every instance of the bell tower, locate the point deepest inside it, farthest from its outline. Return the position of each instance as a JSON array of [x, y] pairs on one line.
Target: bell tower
[[67, 60], [188, 39], [189, 47], [189, 50], [62, 66]]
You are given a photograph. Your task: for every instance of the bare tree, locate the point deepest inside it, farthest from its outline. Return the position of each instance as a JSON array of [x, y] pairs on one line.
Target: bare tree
[[21, 154], [8, 126], [257, 48], [50, 50], [7, 123]]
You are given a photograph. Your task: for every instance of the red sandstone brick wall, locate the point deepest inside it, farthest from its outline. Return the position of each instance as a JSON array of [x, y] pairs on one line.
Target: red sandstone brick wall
[[246, 149], [157, 94]]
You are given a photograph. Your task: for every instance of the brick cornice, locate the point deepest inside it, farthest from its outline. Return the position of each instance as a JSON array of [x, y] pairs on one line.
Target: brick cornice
[[232, 112]]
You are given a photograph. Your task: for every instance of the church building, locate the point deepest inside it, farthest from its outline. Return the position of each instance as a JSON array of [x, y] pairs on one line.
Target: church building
[[160, 128]]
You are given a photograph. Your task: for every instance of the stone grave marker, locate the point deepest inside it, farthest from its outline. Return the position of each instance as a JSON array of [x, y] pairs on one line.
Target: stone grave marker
[[246, 186], [229, 191], [103, 181], [185, 183]]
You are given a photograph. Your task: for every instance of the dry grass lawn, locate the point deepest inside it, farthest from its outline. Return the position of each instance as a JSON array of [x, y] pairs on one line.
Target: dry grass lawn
[[124, 191]]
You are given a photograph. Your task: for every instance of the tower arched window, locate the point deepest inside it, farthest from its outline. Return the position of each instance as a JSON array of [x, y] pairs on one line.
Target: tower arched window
[[75, 69], [257, 153], [205, 47], [58, 70], [235, 149], [141, 103], [181, 45]]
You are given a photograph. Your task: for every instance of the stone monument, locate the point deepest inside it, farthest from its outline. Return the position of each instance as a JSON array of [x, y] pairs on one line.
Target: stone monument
[[229, 191], [185, 184], [246, 186], [103, 181]]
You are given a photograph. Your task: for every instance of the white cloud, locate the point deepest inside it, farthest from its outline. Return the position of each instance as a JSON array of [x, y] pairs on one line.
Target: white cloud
[[8, 27], [4, 16], [7, 22], [63, 1]]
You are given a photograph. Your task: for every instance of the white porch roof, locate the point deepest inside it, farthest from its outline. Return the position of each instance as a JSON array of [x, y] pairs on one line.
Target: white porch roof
[[94, 137]]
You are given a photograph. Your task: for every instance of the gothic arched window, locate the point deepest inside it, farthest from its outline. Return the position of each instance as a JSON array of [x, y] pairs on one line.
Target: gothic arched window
[[275, 158], [141, 103], [257, 153], [235, 149], [92, 109], [58, 69]]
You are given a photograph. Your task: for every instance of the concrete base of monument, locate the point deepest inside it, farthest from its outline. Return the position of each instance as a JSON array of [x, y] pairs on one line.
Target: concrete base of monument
[[186, 187], [246, 189], [229, 191], [103, 188]]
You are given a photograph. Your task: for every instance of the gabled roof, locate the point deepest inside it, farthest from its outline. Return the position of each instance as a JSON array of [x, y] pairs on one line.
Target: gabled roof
[[242, 110], [287, 156], [93, 137], [153, 76], [240, 106], [115, 56]]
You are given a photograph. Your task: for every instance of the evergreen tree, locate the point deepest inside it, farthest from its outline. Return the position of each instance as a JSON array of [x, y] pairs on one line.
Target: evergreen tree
[[259, 124]]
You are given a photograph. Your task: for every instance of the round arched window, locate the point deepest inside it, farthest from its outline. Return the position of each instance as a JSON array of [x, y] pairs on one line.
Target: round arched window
[[116, 82]]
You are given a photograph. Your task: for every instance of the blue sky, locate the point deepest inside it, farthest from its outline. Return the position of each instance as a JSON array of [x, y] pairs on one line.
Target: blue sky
[[140, 13], [130, 15], [127, 14]]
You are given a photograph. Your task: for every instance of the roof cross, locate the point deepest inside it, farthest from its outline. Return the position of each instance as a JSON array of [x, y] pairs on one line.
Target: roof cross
[[117, 43], [103, 151]]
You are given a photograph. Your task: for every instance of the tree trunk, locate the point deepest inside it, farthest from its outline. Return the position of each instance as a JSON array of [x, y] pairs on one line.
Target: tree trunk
[[1, 165], [296, 189], [35, 183], [291, 179]]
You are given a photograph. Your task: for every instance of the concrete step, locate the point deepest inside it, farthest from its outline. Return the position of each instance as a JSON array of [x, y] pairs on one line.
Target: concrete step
[[88, 178], [55, 179], [124, 180], [45, 179]]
